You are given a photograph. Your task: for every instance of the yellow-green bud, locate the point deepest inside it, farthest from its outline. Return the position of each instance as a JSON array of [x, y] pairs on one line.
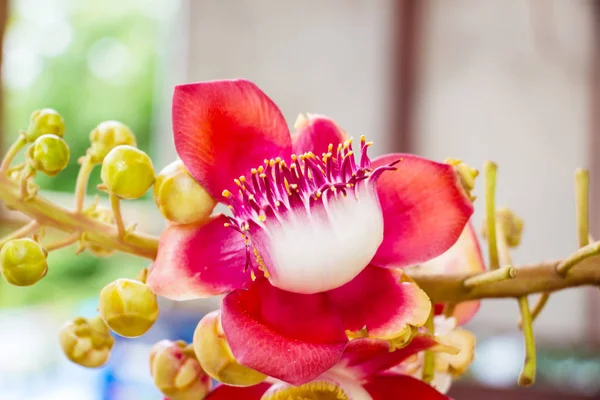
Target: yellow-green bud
[[215, 356], [23, 262], [86, 342], [49, 154], [128, 307], [180, 198], [106, 136], [46, 121], [466, 175], [127, 172], [177, 373], [105, 215]]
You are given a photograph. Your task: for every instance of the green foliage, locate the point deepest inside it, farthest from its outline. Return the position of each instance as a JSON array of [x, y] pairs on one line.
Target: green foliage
[[106, 72], [102, 35]]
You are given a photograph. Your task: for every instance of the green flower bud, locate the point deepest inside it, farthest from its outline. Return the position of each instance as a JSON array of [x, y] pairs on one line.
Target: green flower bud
[[86, 342], [23, 262], [105, 215], [49, 154], [180, 198], [177, 373], [106, 136], [215, 356], [128, 307], [127, 172], [46, 121]]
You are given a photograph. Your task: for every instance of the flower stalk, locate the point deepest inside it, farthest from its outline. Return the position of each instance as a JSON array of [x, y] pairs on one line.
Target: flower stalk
[[429, 355], [83, 177], [485, 278], [12, 153], [489, 171]]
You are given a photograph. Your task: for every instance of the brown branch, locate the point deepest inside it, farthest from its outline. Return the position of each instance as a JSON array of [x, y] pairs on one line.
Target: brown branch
[[535, 278], [49, 214]]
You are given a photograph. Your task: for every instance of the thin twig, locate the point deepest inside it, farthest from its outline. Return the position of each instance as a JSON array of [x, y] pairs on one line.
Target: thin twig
[[488, 277], [19, 233], [59, 244], [489, 170], [115, 203], [527, 376], [585, 252], [12, 153], [87, 166], [429, 356], [537, 309], [582, 183]]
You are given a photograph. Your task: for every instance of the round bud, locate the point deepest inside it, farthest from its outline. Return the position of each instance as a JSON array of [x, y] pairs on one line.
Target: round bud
[[46, 121], [86, 342], [49, 154], [180, 198], [106, 136], [215, 356], [128, 307], [23, 262], [105, 215], [127, 172], [177, 373]]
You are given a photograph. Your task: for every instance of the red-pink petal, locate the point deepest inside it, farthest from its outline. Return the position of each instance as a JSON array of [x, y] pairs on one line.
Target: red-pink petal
[[367, 357], [226, 392], [463, 257], [382, 301], [424, 210], [224, 128], [199, 261], [315, 133], [401, 387], [289, 336]]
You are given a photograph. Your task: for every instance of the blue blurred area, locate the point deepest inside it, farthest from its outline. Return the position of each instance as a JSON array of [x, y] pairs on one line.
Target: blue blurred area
[[32, 366]]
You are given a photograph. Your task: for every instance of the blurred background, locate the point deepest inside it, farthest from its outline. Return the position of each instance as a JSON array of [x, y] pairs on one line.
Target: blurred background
[[514, 81]]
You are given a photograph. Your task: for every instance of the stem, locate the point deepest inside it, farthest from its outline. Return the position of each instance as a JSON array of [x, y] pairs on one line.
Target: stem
[[429, 356], [582, 183], [87, 166], [494, 276], [527, 376], [575, 258], [19, 233], [537, 309], [69, 240], [50, 214], [12, 153], [115, 203], [534, 278], [489, 170]]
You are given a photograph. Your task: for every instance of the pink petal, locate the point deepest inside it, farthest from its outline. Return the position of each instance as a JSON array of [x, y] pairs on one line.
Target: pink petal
[[424, 209], [199, 261], [224, 128], [225, 392], [366, 357], [315, 134], [463, 257], [289, 336], [382, 301], [404, 387]]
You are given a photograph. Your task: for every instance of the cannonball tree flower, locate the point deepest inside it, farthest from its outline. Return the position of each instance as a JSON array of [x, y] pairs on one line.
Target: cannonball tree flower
[[315, 238], [365, 371]]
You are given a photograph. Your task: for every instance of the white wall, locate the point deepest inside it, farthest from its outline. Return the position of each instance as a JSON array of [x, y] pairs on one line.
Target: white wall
[[507, 80], [504, 80]]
